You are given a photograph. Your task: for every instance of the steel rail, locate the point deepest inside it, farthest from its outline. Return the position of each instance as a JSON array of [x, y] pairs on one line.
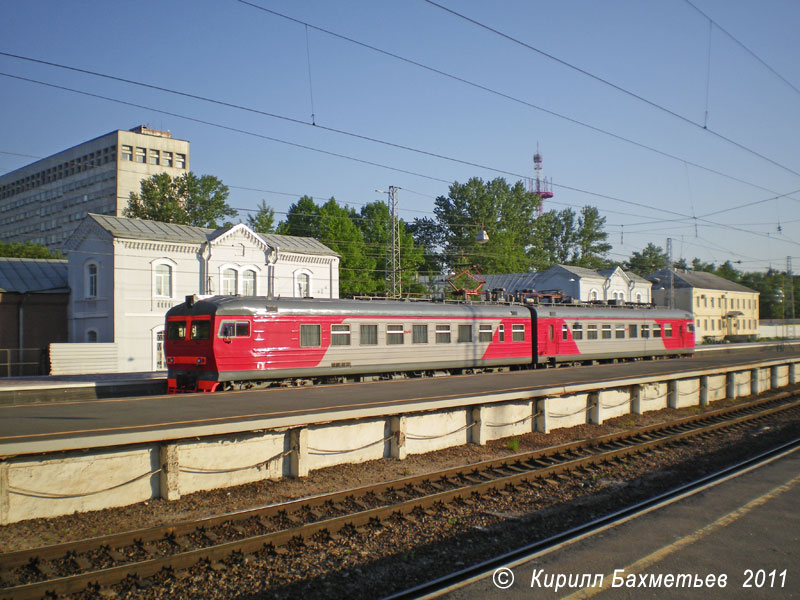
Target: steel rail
[[496, 474], [458, 579]]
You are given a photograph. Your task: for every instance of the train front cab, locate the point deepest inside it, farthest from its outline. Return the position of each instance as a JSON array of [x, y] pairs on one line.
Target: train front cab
[[190, 354]]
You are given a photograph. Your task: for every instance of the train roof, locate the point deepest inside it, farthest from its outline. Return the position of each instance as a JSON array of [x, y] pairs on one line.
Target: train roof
[[250, 305], [566, 311]]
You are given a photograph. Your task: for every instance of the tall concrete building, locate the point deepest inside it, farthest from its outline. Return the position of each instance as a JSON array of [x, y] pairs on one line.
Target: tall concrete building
[[45, 201]]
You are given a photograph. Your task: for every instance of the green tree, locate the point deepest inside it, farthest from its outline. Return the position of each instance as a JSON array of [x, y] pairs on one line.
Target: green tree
[[650, 259], [556, 239], [302, 219], [507, 214], [375, 226], [337, 230], [27, 250], [727, 271], [186, 200], [591, 244], [429, 237], [264, 219]]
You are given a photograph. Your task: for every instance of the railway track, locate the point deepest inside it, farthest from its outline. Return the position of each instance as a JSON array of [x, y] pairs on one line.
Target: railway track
[[104, 561]]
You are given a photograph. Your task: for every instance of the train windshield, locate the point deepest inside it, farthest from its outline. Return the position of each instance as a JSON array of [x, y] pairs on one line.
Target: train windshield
[[176, 330], [200, 330]]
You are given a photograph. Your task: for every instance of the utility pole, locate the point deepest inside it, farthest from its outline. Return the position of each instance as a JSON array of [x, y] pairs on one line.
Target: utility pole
[[791, 286], [671, 274], [393, 277]]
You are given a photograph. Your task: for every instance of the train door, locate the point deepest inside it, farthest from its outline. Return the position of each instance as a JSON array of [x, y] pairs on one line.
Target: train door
[[233, 344]]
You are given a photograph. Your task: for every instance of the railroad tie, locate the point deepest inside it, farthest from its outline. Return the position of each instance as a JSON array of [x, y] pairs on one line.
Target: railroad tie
[[83, 563]]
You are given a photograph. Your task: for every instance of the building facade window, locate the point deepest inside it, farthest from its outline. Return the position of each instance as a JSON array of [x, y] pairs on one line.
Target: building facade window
[[91, 336], [141, 155], [180, 161], [92, 280], [249, 283], [302, 285], [163, 281], [166, 159], [229, 282], [127, 153], [153, 157]]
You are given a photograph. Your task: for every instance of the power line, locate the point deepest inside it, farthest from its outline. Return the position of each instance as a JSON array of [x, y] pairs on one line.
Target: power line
[[748, 50], [500, 94], [612, 85], [225, 127]]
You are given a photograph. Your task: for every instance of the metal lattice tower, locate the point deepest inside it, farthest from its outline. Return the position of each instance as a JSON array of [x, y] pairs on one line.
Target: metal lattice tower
[[393, 276], [543, 188]]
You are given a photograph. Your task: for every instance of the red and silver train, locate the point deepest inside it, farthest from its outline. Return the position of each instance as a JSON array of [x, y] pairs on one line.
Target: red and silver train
[[227, 342]]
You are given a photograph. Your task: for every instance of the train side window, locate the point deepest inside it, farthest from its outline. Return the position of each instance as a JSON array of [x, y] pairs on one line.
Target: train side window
[[668, 330], [577, 331], [657, 330], [310, 336], [229, 329], [485, 333], [394, 335], [340, 335], [368, 335], [606, 332], [518, 333], [419, 334], [501, 333], [591, 332], [443, 334], [633, 330], [565, 332], [690, 327], [645, 331], [176, 330], [619, 332], [200, 330], [464, 334]]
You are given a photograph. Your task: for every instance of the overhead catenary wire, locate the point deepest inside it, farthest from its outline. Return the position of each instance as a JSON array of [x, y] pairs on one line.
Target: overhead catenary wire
[[614, 86], [745, 48]]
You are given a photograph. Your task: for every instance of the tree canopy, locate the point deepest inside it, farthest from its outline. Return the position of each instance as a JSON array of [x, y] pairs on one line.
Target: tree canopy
[[505, 212], [27, 250], [186, 200], [264, 219]]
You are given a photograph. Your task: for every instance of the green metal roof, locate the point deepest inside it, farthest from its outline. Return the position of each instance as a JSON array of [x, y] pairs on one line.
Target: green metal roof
[[23, 275], [138, 229]]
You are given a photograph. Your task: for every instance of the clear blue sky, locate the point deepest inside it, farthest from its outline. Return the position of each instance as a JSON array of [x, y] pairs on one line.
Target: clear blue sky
[[724, 127]]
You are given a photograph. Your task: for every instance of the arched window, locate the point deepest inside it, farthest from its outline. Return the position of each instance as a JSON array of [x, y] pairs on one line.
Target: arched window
[[593, 295], [91, 336], [91, 280], [229, 282], [163, 283], [303, 285], [249, 283], [639, 298]]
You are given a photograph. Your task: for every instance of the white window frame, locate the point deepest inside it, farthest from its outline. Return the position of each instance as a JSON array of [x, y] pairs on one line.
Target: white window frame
[[296, 282], [158, 345], [172, 266], [91, 283], [222, 281], [244, 271]]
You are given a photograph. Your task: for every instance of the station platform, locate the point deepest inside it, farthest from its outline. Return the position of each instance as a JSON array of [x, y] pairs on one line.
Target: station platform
[[60, 388]]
